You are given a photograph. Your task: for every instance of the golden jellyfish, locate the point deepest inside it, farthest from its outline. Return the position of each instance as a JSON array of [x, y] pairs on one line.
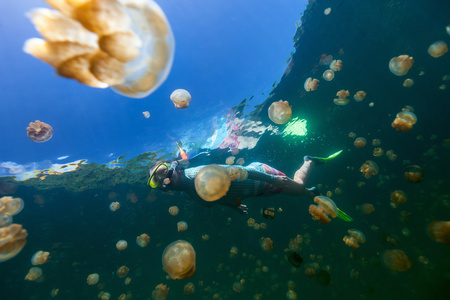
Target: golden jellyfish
[[104, 295], [369, 168], [230, 160], [336, 65], [182, 226], [311, 84], [127, 281], [234, 251], [205, 237], [328, 75], [189, 289], [40, 258], [93, 279], [234, 173], [122, 271], [309, 271], [367, 208], [5, 220], [251, 222], [121, 245], [342, 100], [114, 206], [33, 274], [376, 142], [378, 152], [396, 260], [280, 112], [240, 161], [391, 155], [325, 206], [437, 49], [160, 293], [398, 197], [143, 240], [267, 244], [146, 114], [127, 45], [39, 132], [178, 260], [408, 83], [414, 174], [237, 287], [11, 206], [360, 142], [400, 65], [327, 11], [212, 182], [180, 98], [291, 295], [352, 135], [325, 59], [173, 210], [359, 96], [404, 121], [440, 231], [244, 174], [354, 238], [12, 240]]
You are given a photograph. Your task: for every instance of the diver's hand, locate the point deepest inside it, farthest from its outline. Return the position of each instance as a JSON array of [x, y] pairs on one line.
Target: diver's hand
[[243, 208], [281, 181]]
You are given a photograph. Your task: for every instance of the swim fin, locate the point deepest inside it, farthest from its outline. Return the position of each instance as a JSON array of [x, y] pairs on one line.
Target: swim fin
[[332, 156], [343, 216]]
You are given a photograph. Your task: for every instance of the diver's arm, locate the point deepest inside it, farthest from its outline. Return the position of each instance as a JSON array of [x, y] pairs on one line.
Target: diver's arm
[[260, 176]]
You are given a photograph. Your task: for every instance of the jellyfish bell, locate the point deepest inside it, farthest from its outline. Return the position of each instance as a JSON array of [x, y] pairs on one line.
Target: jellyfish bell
[[230, 160], [40, 258], [360, 142], [440, 231], [92, 279], [437, 49], [178, 260], [182, 226], [121, 245], [240, 161], [267, 244], [342, 100], [369, 168], [12, 241], [173, 210], [400, 65], [11, 206], [212, 182], [404, 121], [180, 98], [336, 65], [414, 174], [39, 132], [396, 260], [280, 112], [143, 240], [132, 36], [234, 173], [325, 207], [311, 84], [328, 75], [398, 197], [33, 274], [355, 237], [359, 96], [408, 83]]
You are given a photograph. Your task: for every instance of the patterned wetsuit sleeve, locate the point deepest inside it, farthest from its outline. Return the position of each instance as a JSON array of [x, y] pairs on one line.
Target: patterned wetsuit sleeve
[[260, 176]]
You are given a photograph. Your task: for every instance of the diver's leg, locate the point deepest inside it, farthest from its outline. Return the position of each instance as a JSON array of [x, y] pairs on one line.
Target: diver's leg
[[302, 174], [298, 185]]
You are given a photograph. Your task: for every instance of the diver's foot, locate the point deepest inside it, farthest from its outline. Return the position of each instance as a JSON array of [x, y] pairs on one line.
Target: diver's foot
[[314, 190], [316, 160]]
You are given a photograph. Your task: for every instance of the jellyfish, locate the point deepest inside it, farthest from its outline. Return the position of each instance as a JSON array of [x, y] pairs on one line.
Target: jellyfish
[[234, 173], [369, 168], [205, 237], [437, 49], [104, 295], [310, 84], [40, 258], [391, 155], [178, 260], [354, 238], [378, 152], [408, 83], [5, 220], [396, 260], [146, 114], [180, 98], [414, 174], [398, 197], [336, 65], [280, 112], [12, 240], [325, 206], [323, 278], [291, 295], [114, 206], [325, 59], [376, 142], [268, 212], [127, 45], [328, 75], [11, 206], [251, 222], [440, 231], [267, 244], [310, 272], [351, 135], [212, 182], [367, 208], [230, 160], [400, 65], [33, 274], [234, 151], [295, 259], [39, 132], [359, 96], [121, 245], [244, 174], [122, 271], [240, 161], [342, 100], [173, 210], [327, 11], [182, 226], [404, 121], [92, 279], [360, 142], [142, 240]]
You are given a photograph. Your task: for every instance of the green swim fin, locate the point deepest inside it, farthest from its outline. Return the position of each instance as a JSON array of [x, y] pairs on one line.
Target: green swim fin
[[343, 216], [325, 159]]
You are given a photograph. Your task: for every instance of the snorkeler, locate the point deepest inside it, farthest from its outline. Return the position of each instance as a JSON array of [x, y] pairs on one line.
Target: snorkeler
[[262, 180]]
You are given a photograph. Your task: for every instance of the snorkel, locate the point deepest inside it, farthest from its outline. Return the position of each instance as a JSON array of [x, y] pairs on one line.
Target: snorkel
[[172, 168]]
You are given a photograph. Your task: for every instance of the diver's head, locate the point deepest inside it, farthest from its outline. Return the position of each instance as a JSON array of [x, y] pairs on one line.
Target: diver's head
[[164, 174]]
